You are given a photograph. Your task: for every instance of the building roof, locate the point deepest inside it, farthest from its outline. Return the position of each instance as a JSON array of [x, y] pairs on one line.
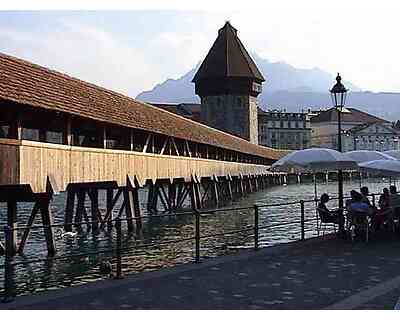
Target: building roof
[[228, 58], [355, 115], [363, 126], [27, 83]]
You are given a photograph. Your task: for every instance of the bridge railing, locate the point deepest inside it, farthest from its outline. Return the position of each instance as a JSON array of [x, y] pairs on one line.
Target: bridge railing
[[119, 251]]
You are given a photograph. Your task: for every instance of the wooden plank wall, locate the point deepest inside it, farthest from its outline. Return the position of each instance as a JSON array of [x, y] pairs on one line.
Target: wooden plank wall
[[9, 160], [78, 164]]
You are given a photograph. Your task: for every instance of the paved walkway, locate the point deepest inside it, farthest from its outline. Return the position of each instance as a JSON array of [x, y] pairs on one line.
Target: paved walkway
[[316, 274]]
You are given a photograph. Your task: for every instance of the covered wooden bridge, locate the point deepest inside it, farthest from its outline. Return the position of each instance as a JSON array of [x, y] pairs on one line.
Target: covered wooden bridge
[[59, 133]]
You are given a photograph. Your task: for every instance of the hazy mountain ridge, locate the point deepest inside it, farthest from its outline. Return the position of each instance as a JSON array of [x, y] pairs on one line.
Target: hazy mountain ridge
[[285, 87]]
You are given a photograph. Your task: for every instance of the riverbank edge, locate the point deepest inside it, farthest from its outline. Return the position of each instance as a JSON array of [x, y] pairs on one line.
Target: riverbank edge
[[47, 296]]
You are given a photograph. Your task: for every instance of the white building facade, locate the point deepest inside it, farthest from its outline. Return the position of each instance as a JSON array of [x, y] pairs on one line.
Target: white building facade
[[360, 131], [284, 130]]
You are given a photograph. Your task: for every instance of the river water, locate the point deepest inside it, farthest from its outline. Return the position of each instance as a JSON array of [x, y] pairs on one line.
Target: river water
[[31, 277]]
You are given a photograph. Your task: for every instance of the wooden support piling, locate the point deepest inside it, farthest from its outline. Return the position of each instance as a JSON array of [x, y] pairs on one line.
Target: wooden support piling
[[26, 233], [255, 183], [160, 192], [11, 244], [47, 220], [109, 207], [95, 213], [193, 201], [229, 185], [136, 208], [69, 210], [128, 201], [80, 208], [197, 194], [172, 195], [167, 203], [241, 186], [250, 187], [214, 191], [150, 198]]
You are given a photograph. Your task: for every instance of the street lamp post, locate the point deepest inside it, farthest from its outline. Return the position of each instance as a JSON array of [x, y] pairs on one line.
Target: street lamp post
[[338, 95]]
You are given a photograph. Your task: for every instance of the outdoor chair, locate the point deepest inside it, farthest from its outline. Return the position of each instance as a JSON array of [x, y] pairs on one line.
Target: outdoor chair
[[322, 223], [357, 223]]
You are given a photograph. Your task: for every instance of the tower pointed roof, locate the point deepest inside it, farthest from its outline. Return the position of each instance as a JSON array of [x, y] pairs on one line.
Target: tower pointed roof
[[228, 58]]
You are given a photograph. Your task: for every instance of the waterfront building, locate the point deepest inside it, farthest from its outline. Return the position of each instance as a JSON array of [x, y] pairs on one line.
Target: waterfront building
[[371, 136], [228, 83], [360, 131], [284, 130]]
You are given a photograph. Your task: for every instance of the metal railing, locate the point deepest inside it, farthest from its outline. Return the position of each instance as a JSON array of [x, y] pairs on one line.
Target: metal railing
[[118, 250]]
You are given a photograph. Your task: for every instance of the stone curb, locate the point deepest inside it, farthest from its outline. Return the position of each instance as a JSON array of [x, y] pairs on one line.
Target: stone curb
[[363, 297]]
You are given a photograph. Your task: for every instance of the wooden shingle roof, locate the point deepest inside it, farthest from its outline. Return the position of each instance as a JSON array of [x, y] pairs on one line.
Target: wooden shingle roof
[[27, 83], [228, 58]]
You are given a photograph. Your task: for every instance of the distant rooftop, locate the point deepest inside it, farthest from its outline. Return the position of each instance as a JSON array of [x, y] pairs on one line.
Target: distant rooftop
[[355, 115]]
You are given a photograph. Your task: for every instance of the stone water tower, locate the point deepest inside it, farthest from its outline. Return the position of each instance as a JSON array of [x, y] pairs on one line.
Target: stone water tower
[[228, 83]]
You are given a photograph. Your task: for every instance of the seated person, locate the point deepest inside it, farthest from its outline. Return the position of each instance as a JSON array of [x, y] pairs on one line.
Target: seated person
[[364, 193], [383, 212], [394, 201], [358, 212], [326, 215], [384, 199], [356, 206]]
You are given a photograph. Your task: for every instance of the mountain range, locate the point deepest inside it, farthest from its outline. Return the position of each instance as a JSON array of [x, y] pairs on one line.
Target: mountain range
[[286, 87]]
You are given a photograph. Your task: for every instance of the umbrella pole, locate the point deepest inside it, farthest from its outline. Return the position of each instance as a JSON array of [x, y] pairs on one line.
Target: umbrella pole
[[360, 179], [315, 187]]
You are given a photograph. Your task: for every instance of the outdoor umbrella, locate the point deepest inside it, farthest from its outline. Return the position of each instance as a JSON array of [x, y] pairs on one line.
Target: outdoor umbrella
[[384, 167], [393, 153], [367, 155], [314, 160]]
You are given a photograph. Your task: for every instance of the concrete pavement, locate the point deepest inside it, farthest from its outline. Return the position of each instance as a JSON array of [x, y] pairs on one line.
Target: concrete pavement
[[316, 274]]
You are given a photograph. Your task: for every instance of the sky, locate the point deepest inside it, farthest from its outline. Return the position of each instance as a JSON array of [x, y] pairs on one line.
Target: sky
[[131, 51]]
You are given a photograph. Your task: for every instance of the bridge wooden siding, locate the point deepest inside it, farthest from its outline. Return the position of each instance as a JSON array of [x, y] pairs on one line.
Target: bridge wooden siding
[[60, 131], [30, 162]]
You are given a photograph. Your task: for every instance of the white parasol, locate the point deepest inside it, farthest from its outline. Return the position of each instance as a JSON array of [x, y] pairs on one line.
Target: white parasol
[[393, 153], [384, 167], [314, 160]]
